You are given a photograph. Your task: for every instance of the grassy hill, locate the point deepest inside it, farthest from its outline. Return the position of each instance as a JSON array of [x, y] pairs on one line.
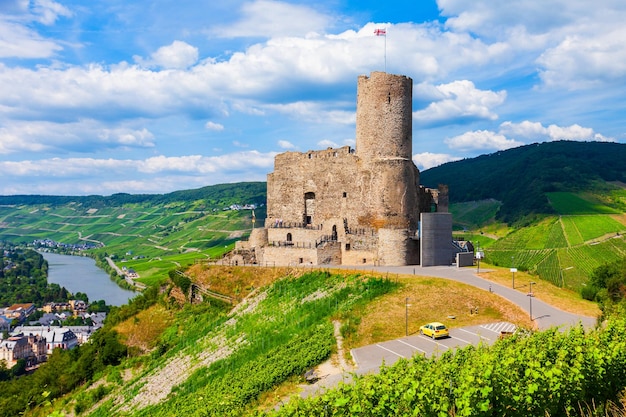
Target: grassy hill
[[149, 233], [520, 178], [215, 360], [556, 209]]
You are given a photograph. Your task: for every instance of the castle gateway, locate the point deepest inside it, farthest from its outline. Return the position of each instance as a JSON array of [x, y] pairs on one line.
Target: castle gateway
[[357, 206]]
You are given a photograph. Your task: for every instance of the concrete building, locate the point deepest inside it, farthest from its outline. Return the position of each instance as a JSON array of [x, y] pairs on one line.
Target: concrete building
[[356, 206]]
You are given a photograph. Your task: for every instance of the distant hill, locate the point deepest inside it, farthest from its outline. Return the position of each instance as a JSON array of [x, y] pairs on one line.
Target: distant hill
[[520, 178], [221, 194], [149, 233]]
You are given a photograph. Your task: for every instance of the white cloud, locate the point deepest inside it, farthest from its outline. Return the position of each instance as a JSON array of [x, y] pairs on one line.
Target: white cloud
[[178, 55], [325, 143], [217, 127], [314, 112], [586, 62], [47, 11], [156, 174], [575, 45], [458, 101], [535, 131], [481, 140], [269, 18], [18, 41], [81, 136], [426, 160], [283, 144]]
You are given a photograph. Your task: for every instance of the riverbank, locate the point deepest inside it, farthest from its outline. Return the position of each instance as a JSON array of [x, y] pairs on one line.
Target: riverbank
[[80, 274]]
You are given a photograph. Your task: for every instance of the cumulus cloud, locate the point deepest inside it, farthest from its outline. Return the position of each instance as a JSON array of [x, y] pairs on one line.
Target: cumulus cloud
[[217, 127], [284, 144], [481, 140], [577, 46], [426, 160], [82, 136], [18, 41], [178, 55], [325, 143], [154, 174], [48, 11], [457, 102], [269, 18], [535, 131], [586, 62]]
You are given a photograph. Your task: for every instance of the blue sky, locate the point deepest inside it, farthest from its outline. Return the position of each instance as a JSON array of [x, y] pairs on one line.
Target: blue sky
[[107, 96]]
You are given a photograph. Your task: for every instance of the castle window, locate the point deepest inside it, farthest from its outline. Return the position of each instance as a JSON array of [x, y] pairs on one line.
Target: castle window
[[364, 260], [309, 207], [289, 237], [345, 194], [301, 260], [347, 246], [310, 156]]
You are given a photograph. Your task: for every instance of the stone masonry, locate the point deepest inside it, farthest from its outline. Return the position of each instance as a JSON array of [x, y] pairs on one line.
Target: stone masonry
[[351, 206]]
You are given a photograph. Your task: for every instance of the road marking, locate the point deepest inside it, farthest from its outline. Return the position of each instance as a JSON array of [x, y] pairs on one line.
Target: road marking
[[435, 341], [499, 327], [414, 347], [389, 350], [458, 338], [476, 334]]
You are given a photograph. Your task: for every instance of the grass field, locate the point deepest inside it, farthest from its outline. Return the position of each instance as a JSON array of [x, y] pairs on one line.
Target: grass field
[[149, 239], [564, 249]]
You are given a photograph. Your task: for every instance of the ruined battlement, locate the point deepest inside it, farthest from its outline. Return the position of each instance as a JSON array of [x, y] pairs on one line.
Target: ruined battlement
[[352, 206]]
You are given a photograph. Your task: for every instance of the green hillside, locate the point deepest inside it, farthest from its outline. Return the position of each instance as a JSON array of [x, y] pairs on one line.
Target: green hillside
[[149, 233], [555, 209], [520, 178]]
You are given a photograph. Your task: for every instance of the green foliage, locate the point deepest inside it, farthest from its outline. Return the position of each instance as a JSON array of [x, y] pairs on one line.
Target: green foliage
[[566, 203], [608, 285], [149, 233], [276, 338], [520, 177], [24, 278], [180, 280], [563, 250], [63, 372], [549, 373]]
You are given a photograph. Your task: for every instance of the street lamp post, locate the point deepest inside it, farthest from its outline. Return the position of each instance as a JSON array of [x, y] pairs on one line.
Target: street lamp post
[[406, 316], [530, 299]]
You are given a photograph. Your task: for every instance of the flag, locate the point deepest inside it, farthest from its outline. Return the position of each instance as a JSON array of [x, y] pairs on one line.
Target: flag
[[380, 32]]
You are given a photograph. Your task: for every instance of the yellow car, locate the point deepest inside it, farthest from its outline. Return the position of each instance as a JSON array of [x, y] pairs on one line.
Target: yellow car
[[434, 330]]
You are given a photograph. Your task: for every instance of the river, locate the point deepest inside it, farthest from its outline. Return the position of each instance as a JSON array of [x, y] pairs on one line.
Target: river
[[80, 274]]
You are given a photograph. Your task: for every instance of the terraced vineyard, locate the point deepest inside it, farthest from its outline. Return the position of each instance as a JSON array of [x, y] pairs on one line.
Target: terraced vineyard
[[149, 237], [564, 249]]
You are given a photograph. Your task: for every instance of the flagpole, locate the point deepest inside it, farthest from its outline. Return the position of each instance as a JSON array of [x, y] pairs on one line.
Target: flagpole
[[383, 32], [385, 51]]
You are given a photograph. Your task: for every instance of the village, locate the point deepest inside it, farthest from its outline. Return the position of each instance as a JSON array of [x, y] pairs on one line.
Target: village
[[28, 335]]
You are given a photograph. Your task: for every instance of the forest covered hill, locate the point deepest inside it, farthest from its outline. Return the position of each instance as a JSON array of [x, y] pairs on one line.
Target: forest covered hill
[[520, 177]]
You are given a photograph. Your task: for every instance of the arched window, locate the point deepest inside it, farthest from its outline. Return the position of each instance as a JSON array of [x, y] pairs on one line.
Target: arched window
[[334, 235], [288, 237], [309, 207]]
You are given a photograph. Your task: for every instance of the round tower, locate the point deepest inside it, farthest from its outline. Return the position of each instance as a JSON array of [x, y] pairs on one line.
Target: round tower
[[384, 117]]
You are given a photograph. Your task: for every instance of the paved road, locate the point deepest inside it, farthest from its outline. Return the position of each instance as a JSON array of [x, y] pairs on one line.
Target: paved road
[[370, 358], [543, 314]]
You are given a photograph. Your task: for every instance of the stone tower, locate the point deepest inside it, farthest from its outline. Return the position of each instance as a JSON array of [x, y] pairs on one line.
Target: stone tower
[[353, 206], [384, 145], [384, 117]]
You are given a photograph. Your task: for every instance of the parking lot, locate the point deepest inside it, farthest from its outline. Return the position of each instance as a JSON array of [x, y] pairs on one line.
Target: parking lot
[[372, 357]]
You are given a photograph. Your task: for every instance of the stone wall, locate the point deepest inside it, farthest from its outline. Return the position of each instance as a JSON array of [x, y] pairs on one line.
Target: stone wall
[[316, 200]]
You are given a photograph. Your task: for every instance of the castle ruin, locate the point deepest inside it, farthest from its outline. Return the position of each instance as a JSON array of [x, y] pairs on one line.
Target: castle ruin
[[360, 206]]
